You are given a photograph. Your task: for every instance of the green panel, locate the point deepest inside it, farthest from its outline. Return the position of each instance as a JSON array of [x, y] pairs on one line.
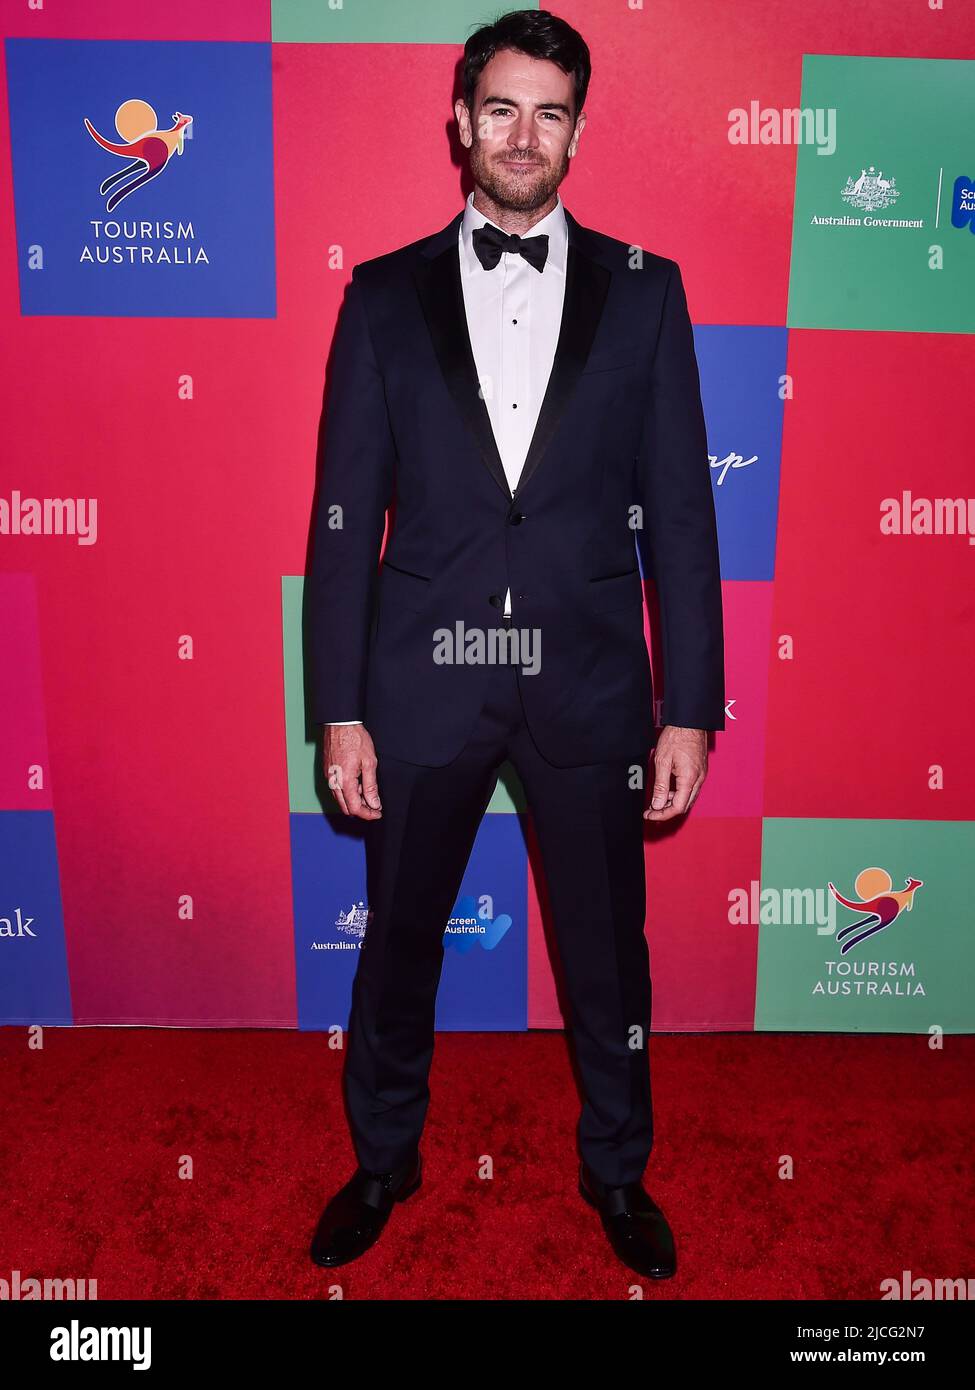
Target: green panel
[[303, 744], [907, 121], [509, 794], [307, 789], [912, 975], [380, 21]]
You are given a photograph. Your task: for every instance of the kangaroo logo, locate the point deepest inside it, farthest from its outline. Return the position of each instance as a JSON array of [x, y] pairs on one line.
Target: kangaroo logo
[[882, 905], [355, 921], [147, 148]]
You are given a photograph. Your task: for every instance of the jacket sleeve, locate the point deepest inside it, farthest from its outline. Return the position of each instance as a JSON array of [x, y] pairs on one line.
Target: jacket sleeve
[[355, 489], [681, 527]]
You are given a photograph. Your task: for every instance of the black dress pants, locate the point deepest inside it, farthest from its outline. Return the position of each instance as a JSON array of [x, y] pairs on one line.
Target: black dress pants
[[589, 826]]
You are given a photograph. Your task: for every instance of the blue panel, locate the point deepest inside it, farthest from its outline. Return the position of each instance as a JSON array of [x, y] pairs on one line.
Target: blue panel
[[328, 874], [33, 961], [197, 239], [484, 985], [740, 370]]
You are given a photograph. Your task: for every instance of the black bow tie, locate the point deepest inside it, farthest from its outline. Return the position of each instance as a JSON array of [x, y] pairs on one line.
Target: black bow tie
[[490, 241]]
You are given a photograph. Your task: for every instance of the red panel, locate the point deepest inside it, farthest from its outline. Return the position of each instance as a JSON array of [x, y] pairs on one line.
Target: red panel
[[244, 20], [879, 689], [703, 967], [170, 774]]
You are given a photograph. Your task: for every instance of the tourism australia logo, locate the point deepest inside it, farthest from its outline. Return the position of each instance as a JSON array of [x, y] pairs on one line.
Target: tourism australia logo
[[128, 208], [146, 151], [145, 148]]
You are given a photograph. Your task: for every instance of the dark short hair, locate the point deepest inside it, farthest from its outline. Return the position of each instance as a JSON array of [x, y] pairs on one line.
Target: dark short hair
[[537, 33]]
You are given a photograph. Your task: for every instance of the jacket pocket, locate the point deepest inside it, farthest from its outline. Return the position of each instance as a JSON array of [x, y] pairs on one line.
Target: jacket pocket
[[618, 591], [614, 358], [401, 589]]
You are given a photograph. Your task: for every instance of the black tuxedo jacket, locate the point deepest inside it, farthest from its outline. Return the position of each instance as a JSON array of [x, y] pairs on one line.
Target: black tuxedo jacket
[[620, 443]]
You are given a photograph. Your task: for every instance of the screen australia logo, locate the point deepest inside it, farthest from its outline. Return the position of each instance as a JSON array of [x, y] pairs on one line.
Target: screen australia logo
[[475, 924], [963, 203], [145, 150]]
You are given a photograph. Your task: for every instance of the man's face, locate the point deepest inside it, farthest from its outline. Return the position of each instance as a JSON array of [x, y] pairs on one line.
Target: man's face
[[521, 133]]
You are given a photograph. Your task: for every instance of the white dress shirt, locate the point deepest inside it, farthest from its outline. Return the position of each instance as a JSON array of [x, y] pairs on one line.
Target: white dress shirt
[[514, 315]]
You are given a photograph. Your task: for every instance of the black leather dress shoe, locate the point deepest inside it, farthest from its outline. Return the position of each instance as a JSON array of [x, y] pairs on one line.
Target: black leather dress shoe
[[636, 1227], [356, 1215]]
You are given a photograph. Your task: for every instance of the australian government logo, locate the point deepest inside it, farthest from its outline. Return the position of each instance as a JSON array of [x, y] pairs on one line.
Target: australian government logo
[[869, 193], [351, 927], [145, 150], [354, 922]]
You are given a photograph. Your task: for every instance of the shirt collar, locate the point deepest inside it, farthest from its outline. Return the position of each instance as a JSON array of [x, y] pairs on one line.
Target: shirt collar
[[553, 224]]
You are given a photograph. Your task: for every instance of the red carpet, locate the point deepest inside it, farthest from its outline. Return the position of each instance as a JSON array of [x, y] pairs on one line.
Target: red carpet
[[96, 1124]]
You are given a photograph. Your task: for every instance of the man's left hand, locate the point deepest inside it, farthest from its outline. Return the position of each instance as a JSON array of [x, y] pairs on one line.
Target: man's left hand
[[682, 753]]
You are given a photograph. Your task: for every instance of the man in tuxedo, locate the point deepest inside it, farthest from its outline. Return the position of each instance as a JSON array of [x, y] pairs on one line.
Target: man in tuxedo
[[520, 393]]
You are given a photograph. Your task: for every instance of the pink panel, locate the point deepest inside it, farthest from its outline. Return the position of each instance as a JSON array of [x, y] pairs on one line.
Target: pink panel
[[23, 744], [734, 785], [9, 289]]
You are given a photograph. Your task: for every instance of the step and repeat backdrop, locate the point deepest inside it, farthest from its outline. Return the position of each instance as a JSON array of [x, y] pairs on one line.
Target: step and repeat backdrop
[[186, 189]]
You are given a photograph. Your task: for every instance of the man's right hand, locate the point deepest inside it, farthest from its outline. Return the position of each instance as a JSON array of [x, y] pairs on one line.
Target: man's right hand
[[350, 769]]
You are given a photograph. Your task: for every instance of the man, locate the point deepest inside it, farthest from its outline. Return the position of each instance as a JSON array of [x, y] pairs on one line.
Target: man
[[523, 391]]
